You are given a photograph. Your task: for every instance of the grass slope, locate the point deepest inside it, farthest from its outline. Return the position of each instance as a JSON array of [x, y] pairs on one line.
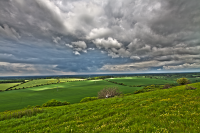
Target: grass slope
[[140, 81], [170, 110], [4, 86], [71, 92]]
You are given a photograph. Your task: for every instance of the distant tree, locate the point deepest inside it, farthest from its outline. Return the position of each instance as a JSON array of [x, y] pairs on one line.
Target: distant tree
[[182, 81]]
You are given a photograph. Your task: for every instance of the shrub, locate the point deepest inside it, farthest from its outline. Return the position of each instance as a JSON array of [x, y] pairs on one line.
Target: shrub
[[66, 103], [37, 106], [86, 99], [182, 81], [109, 92], [190, 87], [127, 94], [54, 102], [146, 89], [166, 86]]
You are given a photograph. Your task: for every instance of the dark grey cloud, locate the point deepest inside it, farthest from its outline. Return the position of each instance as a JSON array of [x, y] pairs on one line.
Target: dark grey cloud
[[36, 33]]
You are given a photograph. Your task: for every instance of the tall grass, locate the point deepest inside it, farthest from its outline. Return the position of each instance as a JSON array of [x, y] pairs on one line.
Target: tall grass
[[19, 114]]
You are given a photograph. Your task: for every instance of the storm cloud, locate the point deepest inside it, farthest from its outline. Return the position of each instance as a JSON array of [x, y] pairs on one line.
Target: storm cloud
[[76, 36]]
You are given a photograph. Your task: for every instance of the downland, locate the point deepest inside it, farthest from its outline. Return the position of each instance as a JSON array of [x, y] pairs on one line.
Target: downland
[[176, 109]]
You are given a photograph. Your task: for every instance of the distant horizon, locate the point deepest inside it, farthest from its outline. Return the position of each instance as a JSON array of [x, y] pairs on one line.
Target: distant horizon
[[104, 74]]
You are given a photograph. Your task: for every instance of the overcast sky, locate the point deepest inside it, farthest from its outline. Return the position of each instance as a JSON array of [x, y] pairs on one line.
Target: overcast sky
[[48, 37]]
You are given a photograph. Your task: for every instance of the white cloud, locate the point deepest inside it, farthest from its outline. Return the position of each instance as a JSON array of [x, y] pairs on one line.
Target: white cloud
[[76, 53], [68, 45], [91, 48], [27, 69], [56, 39], [109, 43], [99, 33], [183, 66], [135, 57], [79, 44], [143, 65]]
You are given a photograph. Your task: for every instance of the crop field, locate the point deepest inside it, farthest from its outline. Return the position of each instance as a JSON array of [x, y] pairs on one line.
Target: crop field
[[141, 81], [174, 110], [43, 82], [71, 92], [4, 86]]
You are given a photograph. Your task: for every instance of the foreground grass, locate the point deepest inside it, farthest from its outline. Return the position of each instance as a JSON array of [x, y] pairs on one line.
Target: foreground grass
[[168, 110], [71, 92], [4, 86]]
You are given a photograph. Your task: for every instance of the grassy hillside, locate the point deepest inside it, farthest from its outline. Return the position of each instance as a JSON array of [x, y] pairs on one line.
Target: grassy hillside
[[168, 110], [71, 92], [4, 86]]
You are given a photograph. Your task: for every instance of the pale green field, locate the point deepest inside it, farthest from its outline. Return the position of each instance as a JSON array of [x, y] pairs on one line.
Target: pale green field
[[140, 81], [44, 82], [4, 86]]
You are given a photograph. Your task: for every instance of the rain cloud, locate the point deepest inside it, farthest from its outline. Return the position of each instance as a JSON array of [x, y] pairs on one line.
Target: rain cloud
[[102, 36]]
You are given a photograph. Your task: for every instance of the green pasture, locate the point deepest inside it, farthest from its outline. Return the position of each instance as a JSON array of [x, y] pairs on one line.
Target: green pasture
[[174, 110], [140, 81], [43, 82], [71, 92], [4, 86]]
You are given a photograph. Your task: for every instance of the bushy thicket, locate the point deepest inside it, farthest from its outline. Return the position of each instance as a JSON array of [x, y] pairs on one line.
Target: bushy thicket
[[148, 88], [54, 102], [109, 92], [100, 77], [13, 81], [190, 87], [183, 81], [86, 99], [166, 86]]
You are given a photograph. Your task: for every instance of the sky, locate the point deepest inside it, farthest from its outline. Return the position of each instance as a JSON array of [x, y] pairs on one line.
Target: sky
[[67, 37]]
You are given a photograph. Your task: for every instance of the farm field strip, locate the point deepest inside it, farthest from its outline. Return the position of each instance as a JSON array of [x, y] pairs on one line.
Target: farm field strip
[[140, 81], [43, 82], [4, 86]]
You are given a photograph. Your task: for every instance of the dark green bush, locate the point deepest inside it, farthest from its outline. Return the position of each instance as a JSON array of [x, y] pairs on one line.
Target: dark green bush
[[182, 81], [37, 106], [86, 99], [66, 103], [54, 102], [127, 94]]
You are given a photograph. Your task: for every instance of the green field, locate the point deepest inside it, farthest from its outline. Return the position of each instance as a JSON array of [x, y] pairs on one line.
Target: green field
[[141, 81], [174, 110], [43, 82], [4, 86], [71, 92]]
